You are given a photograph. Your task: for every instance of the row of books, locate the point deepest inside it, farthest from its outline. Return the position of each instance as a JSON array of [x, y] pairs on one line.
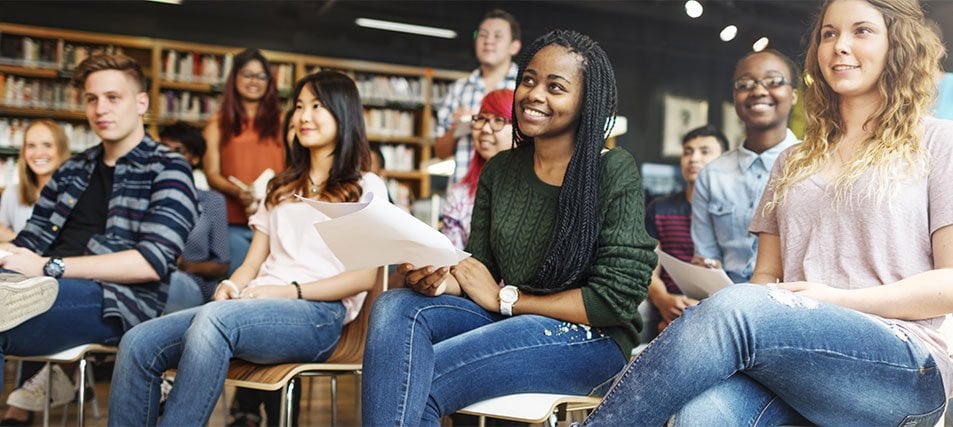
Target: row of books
[[387, 122], [80, 136], [389, 89], [194, 67], [400, 193], [48, 53], [185, 105], [8, 173], [398, 157], [39, 93]]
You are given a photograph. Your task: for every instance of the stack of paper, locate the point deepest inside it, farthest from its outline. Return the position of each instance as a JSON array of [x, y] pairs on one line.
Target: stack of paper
[[696, 282]]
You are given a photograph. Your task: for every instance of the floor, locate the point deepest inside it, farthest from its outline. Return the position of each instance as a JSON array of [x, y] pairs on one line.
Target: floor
[[316, 406]]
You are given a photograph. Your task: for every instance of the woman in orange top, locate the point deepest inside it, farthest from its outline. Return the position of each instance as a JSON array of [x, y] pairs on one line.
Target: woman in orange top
[[244, 140]]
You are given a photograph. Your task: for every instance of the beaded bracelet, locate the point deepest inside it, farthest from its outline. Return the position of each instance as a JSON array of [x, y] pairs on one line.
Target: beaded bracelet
[[298, 288]]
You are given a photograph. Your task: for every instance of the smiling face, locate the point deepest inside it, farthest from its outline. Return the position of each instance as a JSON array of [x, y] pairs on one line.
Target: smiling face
[[313, 124], [251, 82], [853, 47], [549, 95], [494, 42], [488, 142], [40, 151], [760, 107], [114, 106]]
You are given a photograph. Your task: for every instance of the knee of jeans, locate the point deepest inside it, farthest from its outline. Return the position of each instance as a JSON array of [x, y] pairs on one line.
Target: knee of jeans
[[393, 305], [212, 318], [740, 297]]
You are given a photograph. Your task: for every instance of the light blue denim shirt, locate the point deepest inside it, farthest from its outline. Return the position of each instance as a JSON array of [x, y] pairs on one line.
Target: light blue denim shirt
[[727, 193]]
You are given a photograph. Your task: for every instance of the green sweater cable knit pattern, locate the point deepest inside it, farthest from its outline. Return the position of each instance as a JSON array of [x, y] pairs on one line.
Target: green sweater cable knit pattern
[[513, 218]]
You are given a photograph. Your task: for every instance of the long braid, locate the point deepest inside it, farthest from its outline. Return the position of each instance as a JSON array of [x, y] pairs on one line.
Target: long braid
[[576, 231]]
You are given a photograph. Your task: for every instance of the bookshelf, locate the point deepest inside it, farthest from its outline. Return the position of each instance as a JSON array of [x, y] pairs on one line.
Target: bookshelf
[[186, 81]]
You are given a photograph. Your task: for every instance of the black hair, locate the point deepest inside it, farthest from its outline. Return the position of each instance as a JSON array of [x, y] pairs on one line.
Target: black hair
[[509, 18], [189, 136], [792, 66], [707, 130], [576, 230], [338, 93]]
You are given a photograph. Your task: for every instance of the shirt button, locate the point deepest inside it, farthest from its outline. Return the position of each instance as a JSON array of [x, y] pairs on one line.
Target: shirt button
[[751, 205], [56, 227], [759, 176]]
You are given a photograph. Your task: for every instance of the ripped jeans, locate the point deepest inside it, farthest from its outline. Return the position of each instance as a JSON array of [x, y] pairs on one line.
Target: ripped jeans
[[752, 355], [429, 356]]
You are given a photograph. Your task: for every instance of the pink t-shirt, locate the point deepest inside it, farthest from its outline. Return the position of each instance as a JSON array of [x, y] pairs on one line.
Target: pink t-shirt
[[862, 243], [297, 252]]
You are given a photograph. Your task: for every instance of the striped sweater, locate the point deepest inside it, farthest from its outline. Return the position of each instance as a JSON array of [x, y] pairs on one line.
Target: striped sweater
[[151, 209]]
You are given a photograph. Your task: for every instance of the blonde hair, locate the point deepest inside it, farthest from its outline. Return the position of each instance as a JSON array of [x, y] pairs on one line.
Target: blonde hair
[[907, 89], [29, 181]]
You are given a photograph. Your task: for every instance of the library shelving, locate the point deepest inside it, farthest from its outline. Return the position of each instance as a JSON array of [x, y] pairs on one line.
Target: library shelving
[[186, 81]]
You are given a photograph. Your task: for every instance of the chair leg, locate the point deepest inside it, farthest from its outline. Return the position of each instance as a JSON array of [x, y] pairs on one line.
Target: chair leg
[[94, 400], [81, 401], [47, 404], [287, 404], [334, 400]]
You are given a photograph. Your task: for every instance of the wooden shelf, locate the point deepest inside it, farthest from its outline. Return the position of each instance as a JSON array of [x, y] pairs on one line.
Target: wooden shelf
[[9, 110], [190, 86], [149, 52], [43, 73], [405, 174], [396, 139]]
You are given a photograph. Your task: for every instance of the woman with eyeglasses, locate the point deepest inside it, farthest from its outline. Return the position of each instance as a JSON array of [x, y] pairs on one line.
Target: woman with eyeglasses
[[854, 263], [728, 189], [244, 139], [492, 133]]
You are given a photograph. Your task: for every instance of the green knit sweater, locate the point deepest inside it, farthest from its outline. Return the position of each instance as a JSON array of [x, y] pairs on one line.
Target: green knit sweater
[[513, 218]]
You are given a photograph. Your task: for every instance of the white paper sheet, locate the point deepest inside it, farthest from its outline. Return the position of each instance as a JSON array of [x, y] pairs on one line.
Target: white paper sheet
[[373, 232], [696, 282]]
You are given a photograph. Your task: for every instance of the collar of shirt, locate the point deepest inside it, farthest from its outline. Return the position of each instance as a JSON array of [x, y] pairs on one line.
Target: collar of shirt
[[476, 77], [747, 158], [138, 156]]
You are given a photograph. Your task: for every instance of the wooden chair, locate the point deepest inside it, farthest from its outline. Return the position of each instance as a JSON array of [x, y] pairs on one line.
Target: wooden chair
[[75, 354], [347, 358], [531, 408]]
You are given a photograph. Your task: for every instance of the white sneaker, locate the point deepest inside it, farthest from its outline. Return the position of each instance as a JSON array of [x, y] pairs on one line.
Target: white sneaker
[[23, 300], [33, 392]]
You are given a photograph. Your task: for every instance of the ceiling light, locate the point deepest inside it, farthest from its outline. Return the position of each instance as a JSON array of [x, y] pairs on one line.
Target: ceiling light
[[729, 33], [167, 1], [406, 28], [759, 45], [693, 8]]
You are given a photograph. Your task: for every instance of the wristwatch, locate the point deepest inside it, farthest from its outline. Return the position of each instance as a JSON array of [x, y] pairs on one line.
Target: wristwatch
[[509, 294], [54, 268]]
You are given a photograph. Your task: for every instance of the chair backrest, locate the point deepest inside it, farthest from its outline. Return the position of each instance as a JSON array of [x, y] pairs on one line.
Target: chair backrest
[[350, 348]]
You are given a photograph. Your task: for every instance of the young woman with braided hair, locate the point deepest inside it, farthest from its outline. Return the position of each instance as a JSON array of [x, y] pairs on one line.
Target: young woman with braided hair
[[855, 244], [560, 224]]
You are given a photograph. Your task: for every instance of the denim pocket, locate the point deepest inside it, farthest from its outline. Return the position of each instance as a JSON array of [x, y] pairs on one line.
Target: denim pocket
[[927, 419], [722, 219]]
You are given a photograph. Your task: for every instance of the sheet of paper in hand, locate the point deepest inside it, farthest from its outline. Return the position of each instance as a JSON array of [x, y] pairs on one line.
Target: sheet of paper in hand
[[696, 282], [372, 232]]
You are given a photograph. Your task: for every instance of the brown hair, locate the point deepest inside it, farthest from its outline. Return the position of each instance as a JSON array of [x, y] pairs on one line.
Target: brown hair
[[123, 63], [509, 18], [29, 181]]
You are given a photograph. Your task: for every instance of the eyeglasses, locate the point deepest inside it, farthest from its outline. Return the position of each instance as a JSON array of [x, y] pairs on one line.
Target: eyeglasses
[[772, 82], [497, 123], [263, 76]]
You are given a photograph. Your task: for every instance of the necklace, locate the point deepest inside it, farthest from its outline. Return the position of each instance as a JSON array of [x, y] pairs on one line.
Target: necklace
[[314, 187]]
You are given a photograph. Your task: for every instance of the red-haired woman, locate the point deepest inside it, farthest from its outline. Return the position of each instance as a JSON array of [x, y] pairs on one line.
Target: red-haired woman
[[492, 132]]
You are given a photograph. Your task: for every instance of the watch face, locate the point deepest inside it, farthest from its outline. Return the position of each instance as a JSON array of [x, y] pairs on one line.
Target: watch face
[[508, 294]]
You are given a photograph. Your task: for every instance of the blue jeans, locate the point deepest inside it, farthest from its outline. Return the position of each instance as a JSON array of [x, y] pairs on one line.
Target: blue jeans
[[200, 341], [184, 293], [75, 318], [752, 355], [430, 356], [239, 239]]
